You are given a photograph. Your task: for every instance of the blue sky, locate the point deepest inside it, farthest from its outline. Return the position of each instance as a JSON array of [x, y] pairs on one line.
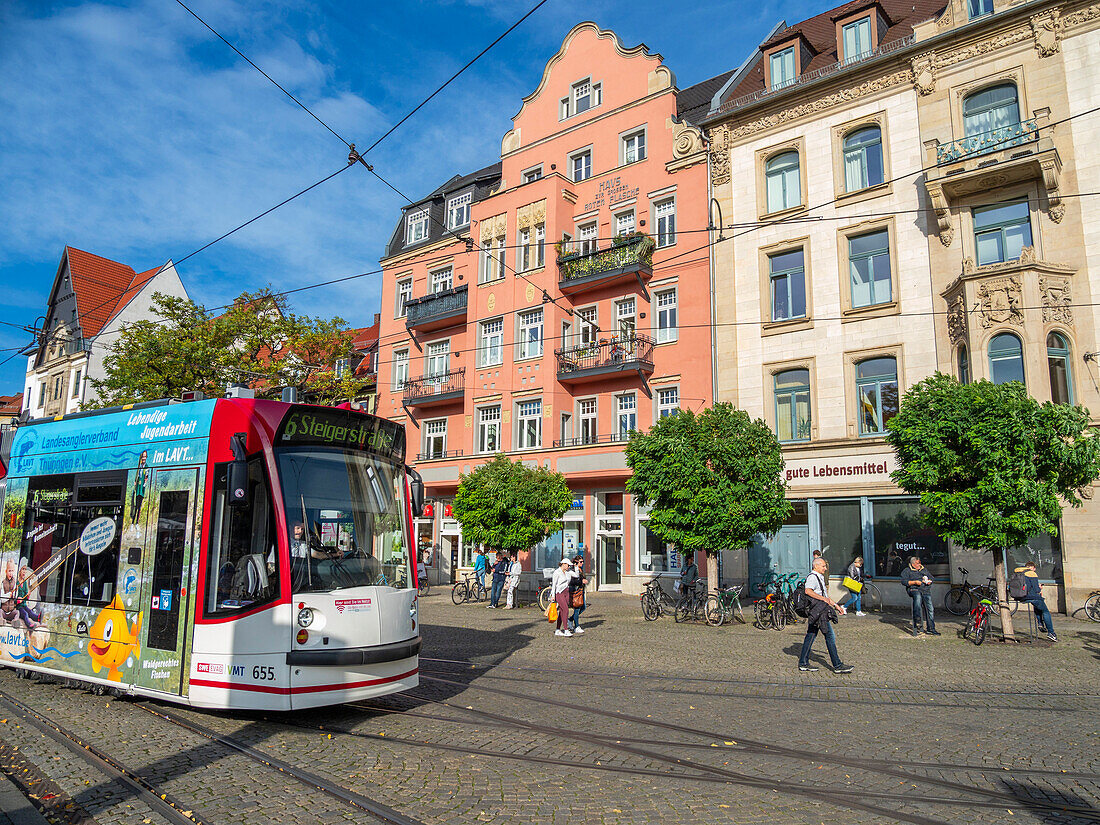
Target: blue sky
[[131, 132]]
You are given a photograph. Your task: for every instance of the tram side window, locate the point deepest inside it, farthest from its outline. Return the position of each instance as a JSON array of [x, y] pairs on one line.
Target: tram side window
[[58, 510], [243, 563]]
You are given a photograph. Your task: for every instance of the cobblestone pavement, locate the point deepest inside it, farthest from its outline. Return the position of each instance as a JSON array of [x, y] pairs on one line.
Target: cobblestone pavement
[[635, 722]]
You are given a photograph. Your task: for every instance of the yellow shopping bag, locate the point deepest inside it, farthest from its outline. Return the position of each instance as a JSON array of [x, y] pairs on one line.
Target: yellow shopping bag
[[552, 613], [852, 584]]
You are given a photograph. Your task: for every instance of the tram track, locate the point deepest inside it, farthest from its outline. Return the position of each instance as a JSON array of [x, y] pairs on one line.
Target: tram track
[[991, 798], [163, 804]]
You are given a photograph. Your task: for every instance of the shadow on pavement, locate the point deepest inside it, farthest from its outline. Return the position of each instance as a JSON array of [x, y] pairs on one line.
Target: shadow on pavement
[[1092, 642], [1036, 800]]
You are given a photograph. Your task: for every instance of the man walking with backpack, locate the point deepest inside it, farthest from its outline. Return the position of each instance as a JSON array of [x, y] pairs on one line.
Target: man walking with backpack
[[1024, 586], [815, 604]]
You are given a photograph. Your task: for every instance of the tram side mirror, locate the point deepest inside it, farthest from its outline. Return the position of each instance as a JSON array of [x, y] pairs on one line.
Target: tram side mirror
[[416, 492], [236, 480]]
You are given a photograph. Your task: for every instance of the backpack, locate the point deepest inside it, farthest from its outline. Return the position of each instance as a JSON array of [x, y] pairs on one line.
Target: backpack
[[1017, 585], [801, 602]]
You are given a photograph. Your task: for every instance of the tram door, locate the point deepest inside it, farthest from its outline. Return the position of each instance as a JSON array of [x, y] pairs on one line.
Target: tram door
[[166, 585]]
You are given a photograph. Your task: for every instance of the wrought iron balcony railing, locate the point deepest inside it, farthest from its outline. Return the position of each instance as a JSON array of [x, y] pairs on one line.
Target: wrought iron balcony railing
[[994, 140], [582, 440], [572, 267], [620, 352], [430, 456], [450, 303], [434, 387]]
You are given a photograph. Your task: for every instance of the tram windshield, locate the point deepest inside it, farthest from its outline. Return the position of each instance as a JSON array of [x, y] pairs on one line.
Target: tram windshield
[[344, 517]]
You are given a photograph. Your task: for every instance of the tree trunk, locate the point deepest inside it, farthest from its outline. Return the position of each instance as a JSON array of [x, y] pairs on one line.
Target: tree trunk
[[712, 572], [1002, 593]]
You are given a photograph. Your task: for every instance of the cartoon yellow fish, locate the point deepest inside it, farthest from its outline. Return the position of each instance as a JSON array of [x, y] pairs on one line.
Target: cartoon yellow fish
[[110, 643]]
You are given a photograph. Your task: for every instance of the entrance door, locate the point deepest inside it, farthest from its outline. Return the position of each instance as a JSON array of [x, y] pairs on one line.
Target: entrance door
[[788, 551], [166, 580], [609, 562]]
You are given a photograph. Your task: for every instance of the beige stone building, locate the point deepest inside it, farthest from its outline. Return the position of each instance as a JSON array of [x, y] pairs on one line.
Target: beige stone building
[[907, 219]]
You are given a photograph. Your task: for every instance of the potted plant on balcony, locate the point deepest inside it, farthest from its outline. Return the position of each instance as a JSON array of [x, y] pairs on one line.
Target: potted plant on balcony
[[564, 252]]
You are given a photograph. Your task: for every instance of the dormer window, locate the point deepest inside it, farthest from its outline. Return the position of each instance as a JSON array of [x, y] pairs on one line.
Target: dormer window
[[979, 8], [782, 68], [458, 211], [857, 39], [583, 96], [416, 226]]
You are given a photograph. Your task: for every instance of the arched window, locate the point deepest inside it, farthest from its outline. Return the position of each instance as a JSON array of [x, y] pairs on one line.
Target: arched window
[[863, 159], [783, 182], [1061, 378], [792, 405], [877, 394], [964, 365], [1006, 359], [989, 109]]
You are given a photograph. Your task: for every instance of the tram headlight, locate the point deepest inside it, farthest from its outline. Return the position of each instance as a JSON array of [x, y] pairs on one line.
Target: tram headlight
[[305, 617]]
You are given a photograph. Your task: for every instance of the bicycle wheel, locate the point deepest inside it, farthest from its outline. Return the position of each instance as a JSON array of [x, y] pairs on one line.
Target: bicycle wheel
[[981, 627], [422, 587], [958, 601], [779, 617], [872, 598], [651, 610], [544, 599], [968, 628], [1092, 607], [737, 613], [479, 593], [459, 593], [713, 611], [684, 609]]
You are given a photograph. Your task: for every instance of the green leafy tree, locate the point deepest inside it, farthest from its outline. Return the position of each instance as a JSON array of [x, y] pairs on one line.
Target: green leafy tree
[[507, 505], [712, 481], [991, 464], [257, 341]]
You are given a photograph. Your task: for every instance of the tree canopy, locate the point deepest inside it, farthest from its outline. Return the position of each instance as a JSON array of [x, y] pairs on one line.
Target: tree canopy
[[257, 341], [507, 505], [712, 481]]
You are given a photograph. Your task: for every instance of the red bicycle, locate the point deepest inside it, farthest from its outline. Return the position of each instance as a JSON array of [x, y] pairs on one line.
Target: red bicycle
[[977, 624]]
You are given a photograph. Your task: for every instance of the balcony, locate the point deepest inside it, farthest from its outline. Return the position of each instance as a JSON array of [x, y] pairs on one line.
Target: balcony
[[584, 440], [628, 261], [436, 311], [433, 390], [593, 362], [438, 455], [983, 163]]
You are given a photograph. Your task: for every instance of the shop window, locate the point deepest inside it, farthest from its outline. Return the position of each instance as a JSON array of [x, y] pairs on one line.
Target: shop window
[[655, 555], [876, 393], [992, 108], [792, 405], [963, 358], [1061, 377], [1001, 231], [788, 285], [783, 182], [1006, 359], [869, 268], [900, 531], [1043, 549], [863, 164], [568, 541], [841, 525]]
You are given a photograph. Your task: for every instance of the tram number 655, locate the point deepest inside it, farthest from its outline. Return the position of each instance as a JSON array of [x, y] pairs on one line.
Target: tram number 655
[[261, 673]]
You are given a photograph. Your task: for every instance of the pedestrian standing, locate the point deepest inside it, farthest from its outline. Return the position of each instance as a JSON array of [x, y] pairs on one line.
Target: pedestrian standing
[[918, 584], [500, 573], [688, 573], [1034, 597], [481, 566], [855, 573], [514, 570], [559, 591], [576, 593], [823, 613]]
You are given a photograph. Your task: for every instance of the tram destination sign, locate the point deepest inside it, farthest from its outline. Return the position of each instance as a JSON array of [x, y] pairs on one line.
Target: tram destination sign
[[342, 428]]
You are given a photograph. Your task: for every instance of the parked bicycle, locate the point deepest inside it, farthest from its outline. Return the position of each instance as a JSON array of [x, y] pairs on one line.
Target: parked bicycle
[[977, 624], [469, 589], [767, 612], [723, 606], [691, 602], [422, 586], [1092, 606], [961, 598], [655, 600]]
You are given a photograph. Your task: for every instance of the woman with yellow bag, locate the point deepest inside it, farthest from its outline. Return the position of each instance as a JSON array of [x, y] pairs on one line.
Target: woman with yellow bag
[[853, 580], [559, 594]]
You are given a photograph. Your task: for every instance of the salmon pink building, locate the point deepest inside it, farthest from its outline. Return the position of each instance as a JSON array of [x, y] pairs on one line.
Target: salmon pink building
[[549, 304]]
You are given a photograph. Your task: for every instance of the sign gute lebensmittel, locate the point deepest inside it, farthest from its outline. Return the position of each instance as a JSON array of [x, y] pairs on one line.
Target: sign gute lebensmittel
[[172, 435]]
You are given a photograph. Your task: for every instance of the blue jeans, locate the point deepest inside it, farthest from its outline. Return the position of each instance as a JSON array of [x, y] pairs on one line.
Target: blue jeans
[[830, 643], [575, 619], [855, 603], [481, 578], [1042, 612], [922, 599], [498, 588]]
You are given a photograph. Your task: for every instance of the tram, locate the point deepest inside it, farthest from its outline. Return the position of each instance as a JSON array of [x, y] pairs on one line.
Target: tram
[[226, 553]]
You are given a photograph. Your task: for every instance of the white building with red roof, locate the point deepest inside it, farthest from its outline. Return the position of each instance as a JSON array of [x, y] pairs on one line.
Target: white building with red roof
[[91, 300]]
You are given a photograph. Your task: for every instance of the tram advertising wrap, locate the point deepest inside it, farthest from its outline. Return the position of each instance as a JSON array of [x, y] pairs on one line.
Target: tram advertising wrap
[[109, 573]]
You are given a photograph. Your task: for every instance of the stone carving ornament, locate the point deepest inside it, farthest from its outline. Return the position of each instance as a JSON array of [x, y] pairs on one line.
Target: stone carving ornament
[[1000, 302], [1057, 300], [1047, 31], [720, 155], [924, 73], [956, 319], [686, 139]]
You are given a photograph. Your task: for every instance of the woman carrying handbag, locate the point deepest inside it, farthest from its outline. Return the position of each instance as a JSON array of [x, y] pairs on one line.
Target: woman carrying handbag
[[576, 593]]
